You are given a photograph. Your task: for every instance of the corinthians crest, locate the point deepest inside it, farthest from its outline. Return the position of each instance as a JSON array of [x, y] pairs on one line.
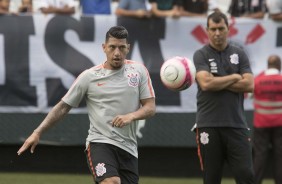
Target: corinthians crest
[[133, 79], [204, 138], [100, 169], [234, 59]]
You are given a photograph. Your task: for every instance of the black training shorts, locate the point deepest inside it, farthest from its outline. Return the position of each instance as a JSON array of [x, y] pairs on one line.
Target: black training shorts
[[106, 160]]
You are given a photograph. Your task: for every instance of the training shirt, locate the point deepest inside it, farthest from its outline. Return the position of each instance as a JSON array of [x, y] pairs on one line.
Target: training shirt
[[96, 6], [109, 93], [274, 6], [165, 4], [238, 8], [221, 108]]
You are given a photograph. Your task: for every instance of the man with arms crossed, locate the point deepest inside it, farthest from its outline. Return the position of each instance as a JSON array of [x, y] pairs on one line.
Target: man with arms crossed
[[223, 76], [118, 93]]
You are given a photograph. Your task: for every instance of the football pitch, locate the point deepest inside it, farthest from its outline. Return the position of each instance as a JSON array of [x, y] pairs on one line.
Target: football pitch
[[36, 178]]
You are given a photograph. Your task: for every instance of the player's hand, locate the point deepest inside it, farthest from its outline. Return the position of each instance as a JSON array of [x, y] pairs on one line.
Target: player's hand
[[31, 141], [122, 120]]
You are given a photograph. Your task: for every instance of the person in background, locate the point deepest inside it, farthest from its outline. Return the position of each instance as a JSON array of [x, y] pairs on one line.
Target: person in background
[[26, 7], [147, 31], [196, 8], [118, 94], [223, 75], [62, 7], [165, 8], [275, 9], [136, 9], [267, 133], [4, 7], [247, 8], [96, 7]]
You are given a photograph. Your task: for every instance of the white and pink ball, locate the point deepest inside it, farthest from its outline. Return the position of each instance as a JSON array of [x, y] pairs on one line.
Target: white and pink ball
[[178, 73]]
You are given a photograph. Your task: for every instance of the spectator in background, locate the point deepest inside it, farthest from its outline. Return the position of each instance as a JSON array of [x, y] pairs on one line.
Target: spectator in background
[[192, 8], [26, 7], [4, 7], [247, 8], [268, 120], [129, 8], [147, 32], [275, 9], [96, 6], [63, 7], [165, 8]]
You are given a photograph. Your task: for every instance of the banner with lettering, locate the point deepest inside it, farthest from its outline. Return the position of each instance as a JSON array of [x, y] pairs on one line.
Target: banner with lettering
[[41, 55]]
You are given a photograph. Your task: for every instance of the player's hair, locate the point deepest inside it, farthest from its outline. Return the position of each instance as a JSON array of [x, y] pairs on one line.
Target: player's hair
[[118, 32], [217, 17]]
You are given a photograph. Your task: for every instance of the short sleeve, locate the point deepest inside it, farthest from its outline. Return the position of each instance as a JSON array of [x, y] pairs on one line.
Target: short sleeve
[[244, 63], [200, 62], [146, 87], [78, 90]]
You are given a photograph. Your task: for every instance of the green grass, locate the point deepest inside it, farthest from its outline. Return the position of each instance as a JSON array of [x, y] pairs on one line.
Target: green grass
[[32, 178]]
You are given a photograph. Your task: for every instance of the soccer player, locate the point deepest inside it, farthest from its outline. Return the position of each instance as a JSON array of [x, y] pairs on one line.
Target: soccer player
[[118, 93], [223, 76]]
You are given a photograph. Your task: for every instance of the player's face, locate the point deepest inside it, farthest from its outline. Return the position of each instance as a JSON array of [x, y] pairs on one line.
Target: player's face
[[116, 51], [218, 33]]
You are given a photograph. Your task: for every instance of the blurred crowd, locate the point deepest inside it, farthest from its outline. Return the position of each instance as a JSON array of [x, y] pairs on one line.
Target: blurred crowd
[[147, 8]]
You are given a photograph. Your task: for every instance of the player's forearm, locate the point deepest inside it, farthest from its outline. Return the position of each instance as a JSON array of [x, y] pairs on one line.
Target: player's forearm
[[147, 110], [276, 17], [244, 85], [212, 83], [63, 11], [66, 11], [54, 116], [127, 13]]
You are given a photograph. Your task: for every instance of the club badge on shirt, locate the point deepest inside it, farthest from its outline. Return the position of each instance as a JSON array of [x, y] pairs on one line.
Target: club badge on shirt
[[133, 79], [234, 59]]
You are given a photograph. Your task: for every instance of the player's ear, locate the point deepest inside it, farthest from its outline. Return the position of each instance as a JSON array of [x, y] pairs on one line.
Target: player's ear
[[104, 47], [128, 47]]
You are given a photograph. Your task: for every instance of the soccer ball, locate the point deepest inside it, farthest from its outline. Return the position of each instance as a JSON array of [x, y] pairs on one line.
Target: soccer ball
[[178, 73]]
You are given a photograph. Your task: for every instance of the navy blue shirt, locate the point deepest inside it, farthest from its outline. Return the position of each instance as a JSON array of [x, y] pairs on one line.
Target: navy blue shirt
[[221, 108]]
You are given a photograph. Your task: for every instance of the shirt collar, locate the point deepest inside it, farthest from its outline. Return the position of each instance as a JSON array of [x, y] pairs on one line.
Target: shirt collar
[[271, 71]]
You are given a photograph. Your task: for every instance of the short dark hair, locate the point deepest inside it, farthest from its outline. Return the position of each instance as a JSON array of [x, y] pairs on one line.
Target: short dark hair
[[217, 17], [118, 32], [274, 61]]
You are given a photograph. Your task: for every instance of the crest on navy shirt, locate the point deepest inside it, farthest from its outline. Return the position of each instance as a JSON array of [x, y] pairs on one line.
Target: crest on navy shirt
[[234, 59], [133, 79]]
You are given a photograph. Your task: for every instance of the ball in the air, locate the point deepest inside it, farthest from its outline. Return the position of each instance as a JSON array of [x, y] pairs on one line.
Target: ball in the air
[[178, 73]]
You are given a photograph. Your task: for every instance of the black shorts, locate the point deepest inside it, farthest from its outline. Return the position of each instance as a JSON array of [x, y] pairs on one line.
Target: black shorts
[[106, 160]]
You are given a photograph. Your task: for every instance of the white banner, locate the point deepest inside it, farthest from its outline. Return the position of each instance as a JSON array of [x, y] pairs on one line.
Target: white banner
[[40, 56]]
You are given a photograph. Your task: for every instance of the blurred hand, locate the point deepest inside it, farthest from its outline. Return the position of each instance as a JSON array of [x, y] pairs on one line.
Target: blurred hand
[[31, 141], [143, 14], [175, 14], [122, 120]]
